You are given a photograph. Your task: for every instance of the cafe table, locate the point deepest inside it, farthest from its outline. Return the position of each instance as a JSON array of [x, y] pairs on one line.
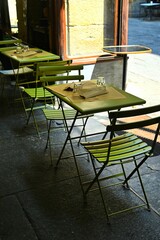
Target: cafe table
[[115, 98], [124, 50], [26, 58], [31, 56]]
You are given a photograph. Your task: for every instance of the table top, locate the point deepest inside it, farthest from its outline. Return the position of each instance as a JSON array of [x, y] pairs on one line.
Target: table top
[[31, 56], [114, 99], [126, 49], [149, 4]]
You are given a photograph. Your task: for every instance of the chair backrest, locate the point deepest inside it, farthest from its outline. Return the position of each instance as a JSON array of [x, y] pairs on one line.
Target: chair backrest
[[6, 45], [45, 71], [10, 41], [61, 73], [134, 119]]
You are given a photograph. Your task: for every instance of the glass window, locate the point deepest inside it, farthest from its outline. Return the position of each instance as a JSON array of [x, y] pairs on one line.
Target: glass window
[[89, 26], [13, 15]]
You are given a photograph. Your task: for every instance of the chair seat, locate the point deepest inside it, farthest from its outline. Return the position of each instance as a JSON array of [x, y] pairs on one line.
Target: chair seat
[[57, 114], [12, 72], [37, 93], [123, 147]]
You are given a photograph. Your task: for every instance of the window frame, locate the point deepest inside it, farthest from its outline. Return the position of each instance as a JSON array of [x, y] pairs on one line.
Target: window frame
[[60, 40]]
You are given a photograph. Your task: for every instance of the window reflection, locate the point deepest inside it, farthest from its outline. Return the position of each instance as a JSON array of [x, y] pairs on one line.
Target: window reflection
[[89, 26]]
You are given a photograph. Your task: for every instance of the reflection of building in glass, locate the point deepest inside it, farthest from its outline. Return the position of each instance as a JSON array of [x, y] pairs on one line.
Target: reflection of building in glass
[[89, 26]]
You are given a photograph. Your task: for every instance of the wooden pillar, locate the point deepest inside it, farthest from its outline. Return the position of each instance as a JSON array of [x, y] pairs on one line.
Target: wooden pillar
[[124, 28], [121, 22], [116, 30]]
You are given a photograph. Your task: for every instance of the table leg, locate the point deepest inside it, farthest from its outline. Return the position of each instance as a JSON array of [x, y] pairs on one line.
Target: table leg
[[124, 76], [69, 138]]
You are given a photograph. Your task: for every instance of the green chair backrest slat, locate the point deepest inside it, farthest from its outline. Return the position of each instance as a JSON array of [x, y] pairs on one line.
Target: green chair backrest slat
[[60, 68], [61, 73], [49, 65], [6, 45], [127, 120], [10, 42], [134, 112], [54, 63], [2, 49], [61, 78]]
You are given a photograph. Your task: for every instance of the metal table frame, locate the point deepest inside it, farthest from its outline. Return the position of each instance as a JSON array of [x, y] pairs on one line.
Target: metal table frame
[[124, 50], [101, 103]]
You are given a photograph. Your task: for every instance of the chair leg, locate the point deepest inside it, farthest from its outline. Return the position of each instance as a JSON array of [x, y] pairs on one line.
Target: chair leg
[[30, 112], [22, 99], [35, 123], [68, 138], [83, 131], [48, 140], [48, 134], [96, 179], [125, 176], [2, 83], [135, 169], [143, 190], [28, 116]]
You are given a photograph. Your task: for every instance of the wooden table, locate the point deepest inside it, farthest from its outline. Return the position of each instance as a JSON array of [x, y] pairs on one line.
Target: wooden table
[[124, 50]]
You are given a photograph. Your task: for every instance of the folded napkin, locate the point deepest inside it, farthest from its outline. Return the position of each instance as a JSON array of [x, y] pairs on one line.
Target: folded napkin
[[90, 89]]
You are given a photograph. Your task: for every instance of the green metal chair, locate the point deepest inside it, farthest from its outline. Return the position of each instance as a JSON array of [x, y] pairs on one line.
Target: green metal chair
[[61, 74], [122, 148], [10, 42], [33, 95]]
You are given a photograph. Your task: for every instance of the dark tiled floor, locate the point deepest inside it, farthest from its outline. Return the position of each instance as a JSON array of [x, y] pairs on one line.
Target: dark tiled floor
[[37, 202]]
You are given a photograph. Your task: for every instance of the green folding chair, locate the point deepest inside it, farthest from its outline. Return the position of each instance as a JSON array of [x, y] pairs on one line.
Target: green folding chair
[[63, 114], [122, 148], [10, 42], [34, 96]]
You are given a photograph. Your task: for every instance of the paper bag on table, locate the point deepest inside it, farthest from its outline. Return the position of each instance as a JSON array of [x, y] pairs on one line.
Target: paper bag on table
[[90, 89]]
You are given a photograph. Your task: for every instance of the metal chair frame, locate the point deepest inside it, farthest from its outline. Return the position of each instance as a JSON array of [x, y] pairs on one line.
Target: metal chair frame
[[122, 149], [62, 74], [34, 92]]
